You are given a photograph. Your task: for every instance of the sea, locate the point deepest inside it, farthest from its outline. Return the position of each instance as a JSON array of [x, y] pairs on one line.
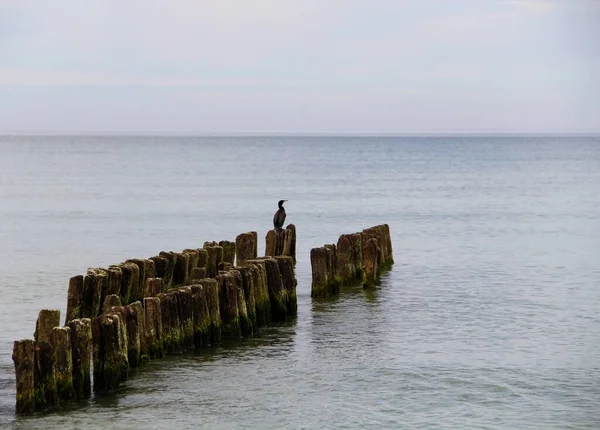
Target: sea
[[489, 318]]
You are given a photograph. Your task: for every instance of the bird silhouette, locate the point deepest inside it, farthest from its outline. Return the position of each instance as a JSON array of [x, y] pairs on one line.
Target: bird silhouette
[[279, 217]]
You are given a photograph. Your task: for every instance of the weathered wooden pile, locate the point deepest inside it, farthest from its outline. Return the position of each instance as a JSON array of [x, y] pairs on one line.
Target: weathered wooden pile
[[358, 258], [117, 318]]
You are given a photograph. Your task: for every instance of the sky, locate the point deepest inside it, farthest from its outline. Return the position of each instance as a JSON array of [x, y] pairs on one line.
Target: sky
[[291, 66]]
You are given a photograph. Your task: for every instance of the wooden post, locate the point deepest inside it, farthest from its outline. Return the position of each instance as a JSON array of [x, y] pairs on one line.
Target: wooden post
[[74, 298], [101, 283], [24, 359], [201, 315], [193, 257], [46, 392], [81, 348], [154, 286], [60, 340], [115, 277], [291, 247], [228, 251], [109, 302], [249, 295], [271, 242], [198, 273], [202, 259], [131, 277], [171, 324], [277, 294], [180, 274], [349, 259], [371, 255], [146, 270], [47, 320], [136, 337], [186, 316], [215, 256], [228, 300], [246, 247], [160, 265], [110, 353], [261, 295], [382, 234], [288, 278], [324, 283], [211, 289], [92, 295], [246, 325], [153, 327]]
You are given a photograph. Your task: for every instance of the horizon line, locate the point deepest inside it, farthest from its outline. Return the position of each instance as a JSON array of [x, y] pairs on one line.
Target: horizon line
[[89, 133]]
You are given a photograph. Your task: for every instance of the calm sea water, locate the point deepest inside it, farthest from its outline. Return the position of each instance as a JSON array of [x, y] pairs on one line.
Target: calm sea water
[[489, 319]]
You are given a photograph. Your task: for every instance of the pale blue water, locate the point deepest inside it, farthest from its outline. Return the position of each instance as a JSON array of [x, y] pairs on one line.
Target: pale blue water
[[489, 319]]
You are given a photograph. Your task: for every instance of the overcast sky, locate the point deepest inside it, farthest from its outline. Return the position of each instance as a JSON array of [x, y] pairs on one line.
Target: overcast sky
[[308, 66]]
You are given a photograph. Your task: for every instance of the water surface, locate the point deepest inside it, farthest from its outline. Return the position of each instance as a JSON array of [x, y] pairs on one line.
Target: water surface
[[489, 318]]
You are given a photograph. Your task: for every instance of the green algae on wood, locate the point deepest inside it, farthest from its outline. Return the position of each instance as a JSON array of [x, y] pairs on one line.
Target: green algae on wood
[[288, 278], [211, 289], [136, 346], [228, 303], [246, 325], [197, 274], [60, 340], [201, 316], [74, 298], [249, 294], [109, 352], [261, 293], [186, 316], [228, 251], [81, 348], [153, 327], [23, 357], [46, 391], [277, 294]]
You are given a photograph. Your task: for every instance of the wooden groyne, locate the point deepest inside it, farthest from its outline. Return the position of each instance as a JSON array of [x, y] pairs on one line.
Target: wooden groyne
[[119, 317], [357, 259]]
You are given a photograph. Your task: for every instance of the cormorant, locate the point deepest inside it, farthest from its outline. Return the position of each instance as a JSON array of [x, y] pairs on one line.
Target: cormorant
[[279, 217]]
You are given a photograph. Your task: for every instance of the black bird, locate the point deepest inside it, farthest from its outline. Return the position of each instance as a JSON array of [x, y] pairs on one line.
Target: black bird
[[279, 217]]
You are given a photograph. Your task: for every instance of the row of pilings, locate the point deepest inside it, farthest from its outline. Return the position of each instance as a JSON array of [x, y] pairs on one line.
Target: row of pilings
[[142, 309], [357, 259]]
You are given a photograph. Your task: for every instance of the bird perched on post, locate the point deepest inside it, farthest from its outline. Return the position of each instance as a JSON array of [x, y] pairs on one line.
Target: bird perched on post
[[279, 217]]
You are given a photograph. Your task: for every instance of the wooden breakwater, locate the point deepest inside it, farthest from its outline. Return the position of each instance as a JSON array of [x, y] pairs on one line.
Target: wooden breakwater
[[118, 318], [357, 259]]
